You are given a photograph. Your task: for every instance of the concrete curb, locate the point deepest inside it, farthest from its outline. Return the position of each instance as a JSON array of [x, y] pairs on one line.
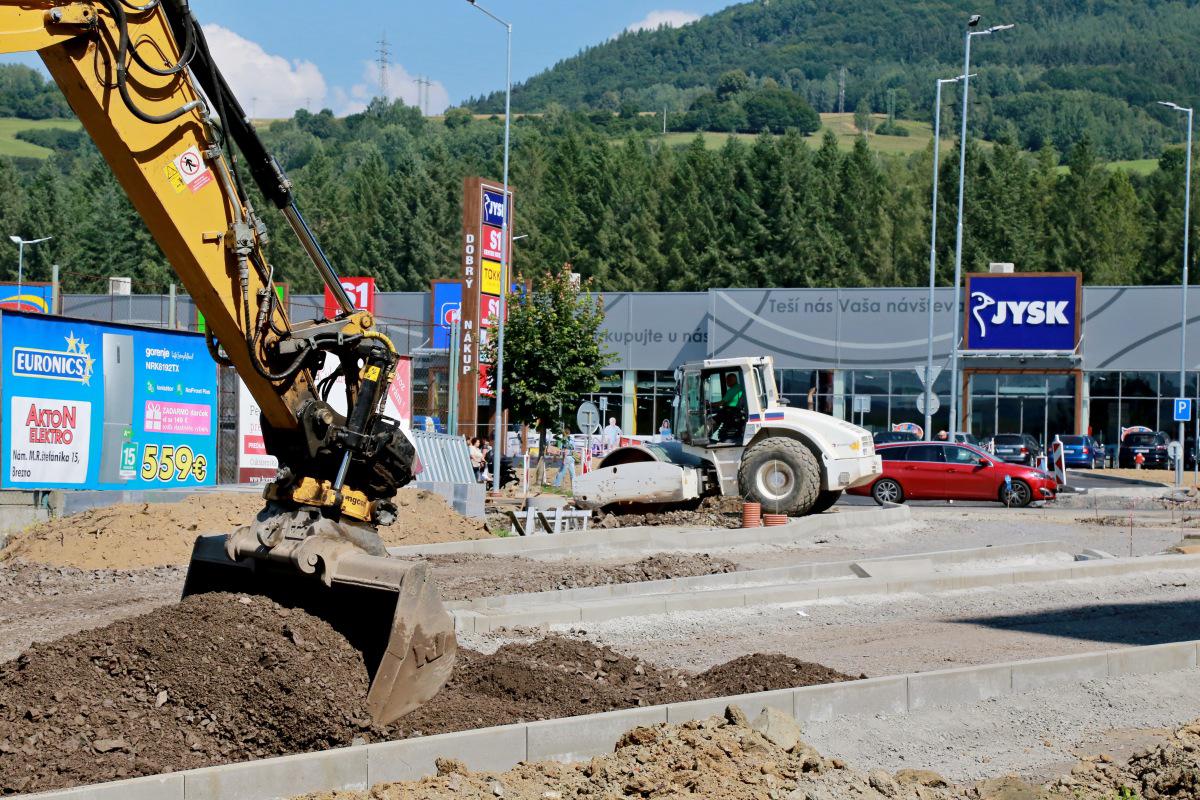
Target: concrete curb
[[810, 571], [480, 617], [578, 738], [653, 539]]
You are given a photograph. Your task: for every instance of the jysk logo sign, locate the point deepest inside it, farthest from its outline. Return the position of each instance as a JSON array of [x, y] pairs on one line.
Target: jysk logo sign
[[1022, 313], [493, 208], [73, 364]]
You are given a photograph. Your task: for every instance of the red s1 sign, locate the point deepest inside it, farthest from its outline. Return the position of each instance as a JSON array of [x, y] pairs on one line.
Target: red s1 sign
[[362, 295]]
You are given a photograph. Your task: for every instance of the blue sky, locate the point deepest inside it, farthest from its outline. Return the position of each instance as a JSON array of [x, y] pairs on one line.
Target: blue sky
[[283, 54]]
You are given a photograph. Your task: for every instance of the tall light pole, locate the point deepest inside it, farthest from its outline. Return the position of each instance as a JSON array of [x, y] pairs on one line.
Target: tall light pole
[[20, 243], [962, 178], [1187, 214], [498, 446], [937, 141]]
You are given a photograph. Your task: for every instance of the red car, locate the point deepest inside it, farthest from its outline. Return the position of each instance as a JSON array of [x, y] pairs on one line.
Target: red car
[[936, 471]]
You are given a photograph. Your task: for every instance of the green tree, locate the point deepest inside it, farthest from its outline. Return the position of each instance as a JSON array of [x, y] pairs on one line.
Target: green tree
[[457, 118], [862, 116], [553, 354], [778, 110], [731, 84]]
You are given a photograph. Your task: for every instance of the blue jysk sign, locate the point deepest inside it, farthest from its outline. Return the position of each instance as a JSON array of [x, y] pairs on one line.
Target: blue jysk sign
[[493, 208], [1021, 313]]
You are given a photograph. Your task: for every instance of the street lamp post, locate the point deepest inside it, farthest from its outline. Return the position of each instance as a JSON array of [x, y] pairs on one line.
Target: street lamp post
[[962, 177], [498, 447], [1187, 213], [20, 243], [937, 140]]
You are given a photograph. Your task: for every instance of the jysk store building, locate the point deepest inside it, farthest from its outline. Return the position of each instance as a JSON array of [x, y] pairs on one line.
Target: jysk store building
[[1039, 353]]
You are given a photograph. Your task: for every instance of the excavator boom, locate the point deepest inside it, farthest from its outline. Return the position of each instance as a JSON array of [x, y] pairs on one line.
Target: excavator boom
[[142, 81]]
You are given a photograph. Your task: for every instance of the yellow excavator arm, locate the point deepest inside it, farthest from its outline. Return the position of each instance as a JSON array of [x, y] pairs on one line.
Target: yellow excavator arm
[[145, 86]]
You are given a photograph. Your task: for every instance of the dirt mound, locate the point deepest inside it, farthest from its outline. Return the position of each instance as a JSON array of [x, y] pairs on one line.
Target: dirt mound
[[222, 678], [766, 672], [136, 535], [560, 677], [1167, 770], [462, 576], [212, 679], [715, 758], [713, 512]]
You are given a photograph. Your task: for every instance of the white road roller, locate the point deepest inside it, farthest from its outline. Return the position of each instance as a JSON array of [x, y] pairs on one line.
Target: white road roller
[[735, 438]]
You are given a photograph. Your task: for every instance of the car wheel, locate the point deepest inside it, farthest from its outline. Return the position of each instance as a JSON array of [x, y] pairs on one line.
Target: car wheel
[[887, 492], [825, 501], [1019, 496], [781, 474]]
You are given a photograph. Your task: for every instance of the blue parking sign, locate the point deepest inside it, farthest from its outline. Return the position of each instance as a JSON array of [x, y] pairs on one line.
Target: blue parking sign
[[1183, 409]]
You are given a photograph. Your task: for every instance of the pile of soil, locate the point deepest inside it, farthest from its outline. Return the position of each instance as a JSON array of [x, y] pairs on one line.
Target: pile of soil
[[713, 512], [462, 576], [1167, 770], [729, 758], [222, 678], [137, 535]]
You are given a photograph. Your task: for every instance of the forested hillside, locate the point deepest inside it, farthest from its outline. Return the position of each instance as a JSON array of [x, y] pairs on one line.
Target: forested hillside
[[382, 190], [1070, 67]]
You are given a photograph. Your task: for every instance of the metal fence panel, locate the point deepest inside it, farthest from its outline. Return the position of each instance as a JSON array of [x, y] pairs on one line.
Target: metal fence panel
[[445, 458]]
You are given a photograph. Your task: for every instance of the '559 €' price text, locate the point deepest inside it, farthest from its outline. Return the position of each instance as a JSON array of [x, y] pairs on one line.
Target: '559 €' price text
[[170, 463]]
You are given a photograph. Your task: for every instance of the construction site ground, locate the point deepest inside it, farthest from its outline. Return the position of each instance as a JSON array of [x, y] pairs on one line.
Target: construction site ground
[[846, 637]]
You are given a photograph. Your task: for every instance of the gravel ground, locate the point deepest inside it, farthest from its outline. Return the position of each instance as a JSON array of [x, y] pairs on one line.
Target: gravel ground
[[916, 632], [1036, 735], [43, 603]]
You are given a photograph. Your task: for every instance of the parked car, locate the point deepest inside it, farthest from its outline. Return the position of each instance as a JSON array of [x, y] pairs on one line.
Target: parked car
[[891, 437], [1082, 451], [932, 471], [1016, 448], [968, 438], [1151, 446]]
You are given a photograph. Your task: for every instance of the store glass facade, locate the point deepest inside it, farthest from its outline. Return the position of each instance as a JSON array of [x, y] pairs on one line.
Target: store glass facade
[[1042, 404]]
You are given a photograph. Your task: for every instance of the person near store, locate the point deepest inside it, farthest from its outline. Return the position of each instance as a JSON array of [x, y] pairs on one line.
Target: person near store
[[664, 430], [476, 453], [567, 450], [485, 450], [612, 434]]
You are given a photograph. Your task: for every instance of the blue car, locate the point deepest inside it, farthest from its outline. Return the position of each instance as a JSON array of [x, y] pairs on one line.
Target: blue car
[[1083, 451]]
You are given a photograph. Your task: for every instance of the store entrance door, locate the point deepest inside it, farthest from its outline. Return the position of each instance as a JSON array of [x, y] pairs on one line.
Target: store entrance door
[[1039, 404]]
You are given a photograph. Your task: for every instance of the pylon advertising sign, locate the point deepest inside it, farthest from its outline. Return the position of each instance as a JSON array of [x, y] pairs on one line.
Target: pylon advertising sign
[[484, 245]]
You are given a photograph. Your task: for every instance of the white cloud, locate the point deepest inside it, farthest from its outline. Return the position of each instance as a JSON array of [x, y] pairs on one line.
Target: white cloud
[[270, 86], [267, 85], [433, 99], [656, 19]]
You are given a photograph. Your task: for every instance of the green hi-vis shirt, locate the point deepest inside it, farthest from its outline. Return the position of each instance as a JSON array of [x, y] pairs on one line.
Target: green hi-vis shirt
[[733, 397]]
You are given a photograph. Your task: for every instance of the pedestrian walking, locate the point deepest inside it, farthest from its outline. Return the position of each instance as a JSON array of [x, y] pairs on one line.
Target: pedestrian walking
[[612, 434], [563, 442]]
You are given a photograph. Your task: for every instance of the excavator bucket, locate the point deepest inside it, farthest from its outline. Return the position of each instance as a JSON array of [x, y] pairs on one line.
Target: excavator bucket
[[387, 608]]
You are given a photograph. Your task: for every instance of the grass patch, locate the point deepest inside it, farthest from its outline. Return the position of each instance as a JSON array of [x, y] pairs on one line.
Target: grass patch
[[13, 147], [842, 125]]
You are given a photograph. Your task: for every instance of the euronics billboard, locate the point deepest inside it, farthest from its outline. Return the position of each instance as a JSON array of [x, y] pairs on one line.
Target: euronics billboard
[[96, 406], [1024, 312]]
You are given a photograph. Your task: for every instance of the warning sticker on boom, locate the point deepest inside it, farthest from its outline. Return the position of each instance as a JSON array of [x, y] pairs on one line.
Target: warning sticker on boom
[[191, 170], [174, 178]]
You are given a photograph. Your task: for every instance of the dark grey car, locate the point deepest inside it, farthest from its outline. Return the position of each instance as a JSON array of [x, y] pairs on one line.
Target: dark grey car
[[1017, 448]]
